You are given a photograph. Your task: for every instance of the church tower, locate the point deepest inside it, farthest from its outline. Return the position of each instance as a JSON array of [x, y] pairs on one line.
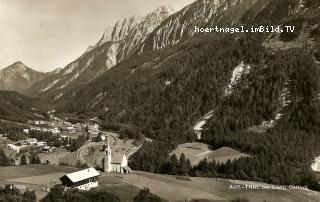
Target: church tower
[[107, 158]]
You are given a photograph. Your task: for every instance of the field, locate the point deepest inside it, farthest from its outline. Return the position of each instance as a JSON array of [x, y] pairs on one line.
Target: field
[[118, 146], [209, 189], [33, 177], [57, 157], [170, 188], [196, 152]]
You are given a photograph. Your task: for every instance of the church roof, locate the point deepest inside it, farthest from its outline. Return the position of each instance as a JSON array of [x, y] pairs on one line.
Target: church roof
[[117, 158], [83, 175]]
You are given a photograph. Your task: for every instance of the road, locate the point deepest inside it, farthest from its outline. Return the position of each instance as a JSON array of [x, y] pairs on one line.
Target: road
[[79, 156], [115, 141]]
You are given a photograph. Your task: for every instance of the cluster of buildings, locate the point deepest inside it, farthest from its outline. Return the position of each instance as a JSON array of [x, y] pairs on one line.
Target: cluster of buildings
[[28, 142], [59, 126]]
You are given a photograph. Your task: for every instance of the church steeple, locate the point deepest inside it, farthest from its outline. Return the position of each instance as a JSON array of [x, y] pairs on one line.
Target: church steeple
[[107, 158], [108, 146]]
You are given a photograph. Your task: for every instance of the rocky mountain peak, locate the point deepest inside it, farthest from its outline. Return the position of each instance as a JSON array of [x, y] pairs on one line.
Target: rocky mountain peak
[[17, 66], [18, 77]]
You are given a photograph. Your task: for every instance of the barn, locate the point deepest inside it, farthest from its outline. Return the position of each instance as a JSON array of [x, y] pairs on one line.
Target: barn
[[83, 179]]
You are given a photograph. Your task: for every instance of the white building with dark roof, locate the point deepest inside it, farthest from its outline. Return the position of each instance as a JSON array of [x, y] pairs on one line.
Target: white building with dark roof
[[115, 163], [83, 179]]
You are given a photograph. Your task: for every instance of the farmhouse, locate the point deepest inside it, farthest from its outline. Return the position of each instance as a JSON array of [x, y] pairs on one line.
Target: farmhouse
[[115, 163], [83, 179], [15, 147], [30, 141], [41, 144], [26, 131]]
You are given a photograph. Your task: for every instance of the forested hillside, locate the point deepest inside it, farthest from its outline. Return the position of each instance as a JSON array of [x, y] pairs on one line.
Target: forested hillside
[[162, 94], [20, 108]]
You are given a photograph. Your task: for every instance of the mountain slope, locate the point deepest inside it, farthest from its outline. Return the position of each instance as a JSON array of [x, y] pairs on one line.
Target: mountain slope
[[20, 108], [202, 13], [116, 44], [18, 77], [243, 80]]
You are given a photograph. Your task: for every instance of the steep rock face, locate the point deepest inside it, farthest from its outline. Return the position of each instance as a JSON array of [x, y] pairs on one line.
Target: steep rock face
[[221, 13], [138, 35], [117, 43], [202, 13], [18, 77]]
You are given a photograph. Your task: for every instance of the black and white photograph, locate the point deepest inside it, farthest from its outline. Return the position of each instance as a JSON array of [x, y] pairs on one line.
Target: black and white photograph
[[159, 100]]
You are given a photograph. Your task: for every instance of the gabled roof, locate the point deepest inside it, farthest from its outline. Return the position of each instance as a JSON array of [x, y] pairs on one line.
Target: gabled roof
[[82, 175]]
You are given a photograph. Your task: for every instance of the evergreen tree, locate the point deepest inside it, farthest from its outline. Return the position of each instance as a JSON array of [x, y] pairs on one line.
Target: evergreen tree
[[183, 165], [145, 196], [23, 160], [4, 160]]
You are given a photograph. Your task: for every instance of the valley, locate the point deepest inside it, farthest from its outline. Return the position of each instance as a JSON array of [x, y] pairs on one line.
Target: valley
[[153, 109]]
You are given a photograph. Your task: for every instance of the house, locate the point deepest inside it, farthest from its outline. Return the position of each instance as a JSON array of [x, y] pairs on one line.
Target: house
[[55, 130], [26, 131], [69, 129], [46, 149], [16, 148], [41, 144], [114, 163], [83, 179], [93, 129], [30, 141]]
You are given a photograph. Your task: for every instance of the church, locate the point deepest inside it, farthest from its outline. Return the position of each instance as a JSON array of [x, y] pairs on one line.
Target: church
[[114, 163]]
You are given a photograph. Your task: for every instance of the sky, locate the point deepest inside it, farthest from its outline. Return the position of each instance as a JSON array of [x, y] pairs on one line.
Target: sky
[[49, 34]]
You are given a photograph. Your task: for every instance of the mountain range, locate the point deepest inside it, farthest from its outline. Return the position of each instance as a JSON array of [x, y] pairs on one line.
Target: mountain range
[[117, 42], [18, 77]]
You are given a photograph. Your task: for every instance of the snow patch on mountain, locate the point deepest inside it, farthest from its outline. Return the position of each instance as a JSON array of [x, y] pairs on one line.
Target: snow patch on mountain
[[238, 72], [26, 75], [112, 55], [58, 96], [70, 68], [315, 166], [50, 85], [202, 121], [284, 101], [167, 82], [98, 99]]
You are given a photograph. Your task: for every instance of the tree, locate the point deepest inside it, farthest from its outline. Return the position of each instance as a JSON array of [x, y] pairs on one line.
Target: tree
[[173, 165], [56, 194], [29, 196], [10, 193], [23, 160], [145, 196], [4, 160], [183, 165], [99, 138], [34, 159], [91, 151]]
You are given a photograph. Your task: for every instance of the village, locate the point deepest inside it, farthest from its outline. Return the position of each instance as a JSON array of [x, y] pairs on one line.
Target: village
[[101, 161]]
